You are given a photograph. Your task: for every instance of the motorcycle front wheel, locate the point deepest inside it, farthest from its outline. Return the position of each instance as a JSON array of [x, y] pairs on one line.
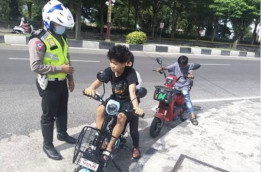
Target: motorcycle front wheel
[[155, 127], [104, 166]]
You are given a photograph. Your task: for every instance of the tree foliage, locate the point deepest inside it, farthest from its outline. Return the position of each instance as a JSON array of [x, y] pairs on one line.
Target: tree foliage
[[240, 12], [185, 17], [4, 10]]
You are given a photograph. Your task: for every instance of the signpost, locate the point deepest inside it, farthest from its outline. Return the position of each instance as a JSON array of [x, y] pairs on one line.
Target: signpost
[[161, 28], [161, 25]]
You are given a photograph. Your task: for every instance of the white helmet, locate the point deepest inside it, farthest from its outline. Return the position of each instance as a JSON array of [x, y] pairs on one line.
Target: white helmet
[[55, 11]]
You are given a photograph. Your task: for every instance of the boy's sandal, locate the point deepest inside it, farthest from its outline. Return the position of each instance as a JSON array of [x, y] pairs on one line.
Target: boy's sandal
[[136, 153], [106, 155], [194, 121]]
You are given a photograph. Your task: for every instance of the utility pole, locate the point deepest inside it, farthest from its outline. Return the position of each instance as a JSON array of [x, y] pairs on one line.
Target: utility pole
[[108, 32]]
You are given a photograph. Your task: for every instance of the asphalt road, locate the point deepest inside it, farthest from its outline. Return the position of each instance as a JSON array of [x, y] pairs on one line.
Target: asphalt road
[[218, 78], [219, 81]]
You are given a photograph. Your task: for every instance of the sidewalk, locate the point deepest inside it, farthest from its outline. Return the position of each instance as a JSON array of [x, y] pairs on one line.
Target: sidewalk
[[160, 48], [227, 139]]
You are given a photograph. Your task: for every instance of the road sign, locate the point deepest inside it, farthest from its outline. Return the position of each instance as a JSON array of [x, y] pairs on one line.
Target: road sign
[[161, 25]]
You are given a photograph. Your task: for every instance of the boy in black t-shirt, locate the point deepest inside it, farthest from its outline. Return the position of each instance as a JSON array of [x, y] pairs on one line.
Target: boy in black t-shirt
[[134, 122], [123, 81]]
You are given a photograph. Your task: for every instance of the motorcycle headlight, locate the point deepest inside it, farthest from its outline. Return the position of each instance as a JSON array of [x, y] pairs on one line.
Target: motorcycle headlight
[[112, 107]]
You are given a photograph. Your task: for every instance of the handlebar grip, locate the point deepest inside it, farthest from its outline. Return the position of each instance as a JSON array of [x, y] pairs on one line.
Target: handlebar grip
[[133, 111], [84, 93], [87, 95], [96, 96], [140, 116], [157, 71]]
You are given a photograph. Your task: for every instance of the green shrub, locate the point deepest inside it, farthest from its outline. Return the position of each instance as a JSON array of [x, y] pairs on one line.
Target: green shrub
[[136, 37]]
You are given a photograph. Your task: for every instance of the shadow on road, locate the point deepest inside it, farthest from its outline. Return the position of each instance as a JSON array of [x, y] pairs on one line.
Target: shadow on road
[[124, 158]]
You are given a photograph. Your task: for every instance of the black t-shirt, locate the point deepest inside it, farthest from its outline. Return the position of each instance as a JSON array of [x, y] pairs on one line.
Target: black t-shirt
[[120, 85]]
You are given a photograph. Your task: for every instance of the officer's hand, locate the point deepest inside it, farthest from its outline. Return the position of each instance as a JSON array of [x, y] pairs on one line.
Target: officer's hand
[[89, 92], [66, 68], [71, 85], [138, 111]]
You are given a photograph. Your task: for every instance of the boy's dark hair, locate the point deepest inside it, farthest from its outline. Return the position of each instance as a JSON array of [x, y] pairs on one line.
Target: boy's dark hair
[[131, 59], [119, 53], [183, 60]]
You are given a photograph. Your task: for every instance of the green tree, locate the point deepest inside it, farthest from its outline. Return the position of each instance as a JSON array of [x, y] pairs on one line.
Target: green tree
[[175, 15], [122, 16], [95, 11], [4, 10], [14, 10], [75, 7], [156, 7], [240, 12], [37, 7]]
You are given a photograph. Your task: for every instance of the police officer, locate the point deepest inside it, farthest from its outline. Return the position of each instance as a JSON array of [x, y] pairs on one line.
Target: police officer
[[49, 58]]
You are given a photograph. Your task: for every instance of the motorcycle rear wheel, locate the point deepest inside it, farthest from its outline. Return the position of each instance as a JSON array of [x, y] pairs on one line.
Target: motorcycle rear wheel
[[155, 127]]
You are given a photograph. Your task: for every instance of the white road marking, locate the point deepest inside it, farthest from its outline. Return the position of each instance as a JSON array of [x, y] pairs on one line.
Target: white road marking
[[86, 61], [18, 58], [215, 64], [93, 61], [219, 100], [226, 99]]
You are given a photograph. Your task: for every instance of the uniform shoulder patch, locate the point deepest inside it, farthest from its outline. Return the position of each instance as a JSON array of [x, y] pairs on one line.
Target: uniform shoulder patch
[[39, 45]]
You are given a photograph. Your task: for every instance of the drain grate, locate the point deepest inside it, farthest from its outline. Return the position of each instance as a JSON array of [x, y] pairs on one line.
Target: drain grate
[[186, 163]]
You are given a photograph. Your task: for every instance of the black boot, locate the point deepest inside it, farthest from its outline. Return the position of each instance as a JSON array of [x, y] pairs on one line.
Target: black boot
[[62, 135], [48, 148]]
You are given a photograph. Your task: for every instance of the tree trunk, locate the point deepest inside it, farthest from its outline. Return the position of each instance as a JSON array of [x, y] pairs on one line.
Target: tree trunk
[[102, 23], [223, 32], [153, 26], [78, 21], [136, 11], [254, 32], [198, 31], [215, 29], [128, 17], [235, 43], [174, 21], [101, 12], [29, 6]]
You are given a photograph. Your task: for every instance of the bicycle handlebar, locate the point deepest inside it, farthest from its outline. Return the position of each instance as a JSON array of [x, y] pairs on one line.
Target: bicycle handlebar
[[157, 71], [99, 98], [96, 97]]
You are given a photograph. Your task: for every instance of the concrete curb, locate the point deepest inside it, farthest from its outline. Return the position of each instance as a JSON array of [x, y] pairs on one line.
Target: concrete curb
[[21, 39]]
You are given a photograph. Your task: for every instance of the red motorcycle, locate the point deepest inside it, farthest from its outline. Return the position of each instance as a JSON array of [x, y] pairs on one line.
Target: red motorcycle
[[171, 101]]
